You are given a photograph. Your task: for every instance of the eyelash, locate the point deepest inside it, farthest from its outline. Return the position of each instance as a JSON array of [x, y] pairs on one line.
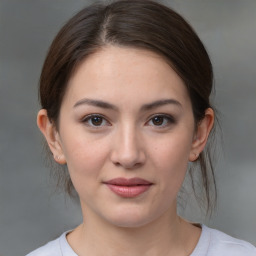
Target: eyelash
[[88, 119], [166, 118]]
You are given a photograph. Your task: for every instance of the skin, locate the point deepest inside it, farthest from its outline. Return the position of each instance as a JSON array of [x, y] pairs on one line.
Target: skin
[[126, 141]]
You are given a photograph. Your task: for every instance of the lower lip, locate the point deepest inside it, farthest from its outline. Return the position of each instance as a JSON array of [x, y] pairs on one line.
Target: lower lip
[[129, 191]]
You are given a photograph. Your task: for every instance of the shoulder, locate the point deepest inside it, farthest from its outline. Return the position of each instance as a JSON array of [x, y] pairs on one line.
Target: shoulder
[[57, 247], [50, 249], [223, 244]]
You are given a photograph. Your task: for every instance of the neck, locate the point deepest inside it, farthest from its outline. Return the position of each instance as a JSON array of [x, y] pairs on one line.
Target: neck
[[168, 235]]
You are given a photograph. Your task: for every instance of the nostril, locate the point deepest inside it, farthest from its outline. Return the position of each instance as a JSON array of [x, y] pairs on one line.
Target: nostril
[[127, 150], [128, 162]]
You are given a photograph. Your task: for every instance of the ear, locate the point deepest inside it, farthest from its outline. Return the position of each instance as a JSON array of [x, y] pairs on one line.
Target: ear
[[201, 134], [51, 135]]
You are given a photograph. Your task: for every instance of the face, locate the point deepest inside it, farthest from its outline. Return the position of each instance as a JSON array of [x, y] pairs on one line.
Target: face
[[126, 131]]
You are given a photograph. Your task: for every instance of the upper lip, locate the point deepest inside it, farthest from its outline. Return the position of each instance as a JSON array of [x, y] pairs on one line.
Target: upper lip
[[128, 182]]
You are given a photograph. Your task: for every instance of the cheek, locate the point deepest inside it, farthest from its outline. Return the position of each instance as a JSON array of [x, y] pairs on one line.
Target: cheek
[[171, 158], [85, 157]]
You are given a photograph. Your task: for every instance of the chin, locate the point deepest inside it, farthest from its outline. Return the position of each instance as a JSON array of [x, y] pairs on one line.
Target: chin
[[129, 222], [129, 218]]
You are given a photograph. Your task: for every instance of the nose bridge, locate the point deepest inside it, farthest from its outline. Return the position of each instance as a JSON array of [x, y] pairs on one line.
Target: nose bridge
[[128, 151], [129, 139]]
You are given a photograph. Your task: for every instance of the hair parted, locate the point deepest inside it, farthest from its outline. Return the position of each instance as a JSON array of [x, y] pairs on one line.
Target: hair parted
[[142, 24]]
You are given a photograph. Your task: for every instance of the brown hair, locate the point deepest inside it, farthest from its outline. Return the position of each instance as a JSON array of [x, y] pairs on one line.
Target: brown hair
[[140, 24]]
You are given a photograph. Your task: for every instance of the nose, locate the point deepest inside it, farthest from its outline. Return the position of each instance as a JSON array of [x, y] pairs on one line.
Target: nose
[[128, 151]]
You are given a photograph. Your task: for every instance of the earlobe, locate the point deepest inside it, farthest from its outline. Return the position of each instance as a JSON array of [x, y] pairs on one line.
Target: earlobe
[[51, 135], [201, 135]]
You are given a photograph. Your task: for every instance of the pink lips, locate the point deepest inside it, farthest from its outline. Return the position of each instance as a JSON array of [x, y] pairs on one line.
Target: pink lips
[[128, 187]]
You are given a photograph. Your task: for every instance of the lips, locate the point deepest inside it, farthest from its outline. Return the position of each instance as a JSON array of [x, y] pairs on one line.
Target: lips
[[128, 188]]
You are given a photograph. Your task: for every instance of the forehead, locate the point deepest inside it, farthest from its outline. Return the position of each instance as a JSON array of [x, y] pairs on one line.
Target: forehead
[[133, 75]]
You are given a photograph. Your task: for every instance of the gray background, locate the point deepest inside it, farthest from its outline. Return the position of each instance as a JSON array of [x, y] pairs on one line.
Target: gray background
[[30, 212]]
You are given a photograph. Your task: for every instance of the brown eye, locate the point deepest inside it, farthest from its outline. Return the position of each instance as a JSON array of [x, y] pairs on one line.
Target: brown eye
[[158, 120], [161, 121], [95, 121]]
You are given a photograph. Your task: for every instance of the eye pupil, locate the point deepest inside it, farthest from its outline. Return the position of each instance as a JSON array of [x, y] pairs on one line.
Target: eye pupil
[[158, 120], [96, 120]]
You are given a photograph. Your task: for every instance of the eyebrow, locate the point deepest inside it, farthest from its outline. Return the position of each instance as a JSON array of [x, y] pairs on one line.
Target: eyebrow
[[146, 107], [96, 103], [160, 103]]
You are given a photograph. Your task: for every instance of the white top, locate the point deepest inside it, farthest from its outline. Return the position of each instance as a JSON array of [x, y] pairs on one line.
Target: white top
[[211, 243]]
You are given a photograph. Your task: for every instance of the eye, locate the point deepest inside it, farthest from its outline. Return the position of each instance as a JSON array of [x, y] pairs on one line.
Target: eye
[[161, 121], [95, 121]]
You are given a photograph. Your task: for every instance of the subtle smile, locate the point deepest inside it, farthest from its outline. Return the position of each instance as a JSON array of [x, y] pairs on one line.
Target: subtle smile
[[128, 188]]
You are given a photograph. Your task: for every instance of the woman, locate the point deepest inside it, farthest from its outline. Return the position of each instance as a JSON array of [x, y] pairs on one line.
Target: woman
[[125, 106]]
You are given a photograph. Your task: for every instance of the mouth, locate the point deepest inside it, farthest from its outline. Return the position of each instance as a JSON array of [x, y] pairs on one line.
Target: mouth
[[128, 188]]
